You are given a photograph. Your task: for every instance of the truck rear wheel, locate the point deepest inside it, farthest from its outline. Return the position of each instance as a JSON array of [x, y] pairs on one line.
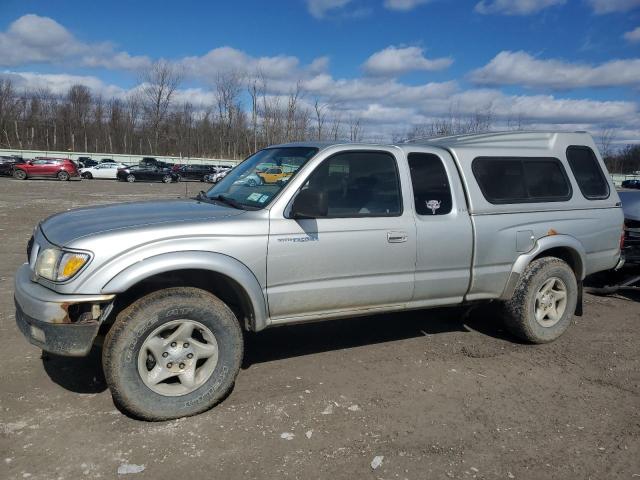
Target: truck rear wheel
[[173, 353], [544, 301]]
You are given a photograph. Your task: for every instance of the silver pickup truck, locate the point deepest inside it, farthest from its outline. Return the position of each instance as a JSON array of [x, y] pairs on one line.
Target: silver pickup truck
[[308, 231]]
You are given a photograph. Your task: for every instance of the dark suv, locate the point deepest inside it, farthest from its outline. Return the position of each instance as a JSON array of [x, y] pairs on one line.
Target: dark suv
[[60, 168], [633, 183], [194, 172], [7, 163], [147, 173]]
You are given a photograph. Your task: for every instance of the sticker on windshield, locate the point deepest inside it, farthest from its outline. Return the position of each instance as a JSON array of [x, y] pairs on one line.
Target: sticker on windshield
[[263, 198], [433, 205], [254, 197]]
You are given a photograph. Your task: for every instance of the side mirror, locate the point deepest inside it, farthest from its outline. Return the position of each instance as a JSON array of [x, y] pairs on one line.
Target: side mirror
[[310, 203]]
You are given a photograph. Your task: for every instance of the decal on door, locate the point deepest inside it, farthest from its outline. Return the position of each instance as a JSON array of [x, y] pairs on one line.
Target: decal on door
[[433, 205]]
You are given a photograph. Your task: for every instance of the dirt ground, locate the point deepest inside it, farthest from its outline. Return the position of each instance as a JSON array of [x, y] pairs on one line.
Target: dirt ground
[[436, 393]]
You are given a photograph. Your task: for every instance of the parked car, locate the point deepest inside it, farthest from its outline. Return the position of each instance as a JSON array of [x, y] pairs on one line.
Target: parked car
[[518, 218], [633, 183], [60, 168], [219, 174], [273, 175], [627, 276], [107, 160], [86, 162], [7, 162], [193, 172], [251, 180], [102, 170], [146, 173], [154, 162], [148, 161], [631, 209]]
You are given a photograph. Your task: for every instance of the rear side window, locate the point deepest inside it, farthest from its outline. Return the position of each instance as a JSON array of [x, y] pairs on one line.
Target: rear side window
[[431, 190], [521, 179], [586, 169]]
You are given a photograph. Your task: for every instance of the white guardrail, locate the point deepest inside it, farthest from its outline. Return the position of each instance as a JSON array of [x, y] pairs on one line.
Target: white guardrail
[[118, 157]]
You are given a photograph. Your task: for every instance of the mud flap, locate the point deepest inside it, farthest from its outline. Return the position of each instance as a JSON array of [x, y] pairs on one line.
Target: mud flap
[[578, 312]]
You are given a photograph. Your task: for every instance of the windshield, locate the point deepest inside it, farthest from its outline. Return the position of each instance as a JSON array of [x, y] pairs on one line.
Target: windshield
[[257, 180]]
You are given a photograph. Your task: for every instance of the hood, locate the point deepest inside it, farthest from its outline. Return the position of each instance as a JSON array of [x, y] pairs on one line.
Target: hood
[[630, 204], [63, 228]]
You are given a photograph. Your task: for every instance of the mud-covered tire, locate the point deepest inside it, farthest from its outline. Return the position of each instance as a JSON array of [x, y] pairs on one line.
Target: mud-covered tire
[[520, 310], [139, 321]]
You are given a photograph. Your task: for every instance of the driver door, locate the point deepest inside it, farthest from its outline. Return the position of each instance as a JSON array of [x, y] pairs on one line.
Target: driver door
[[359, 258]]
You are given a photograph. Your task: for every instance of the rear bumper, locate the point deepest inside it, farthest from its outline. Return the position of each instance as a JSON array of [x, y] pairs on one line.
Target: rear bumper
[[43, 316]]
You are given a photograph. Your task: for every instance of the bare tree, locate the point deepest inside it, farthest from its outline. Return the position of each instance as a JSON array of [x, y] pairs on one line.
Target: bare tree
[[159, 84], [355, 129], [321, 117], [605, 142]]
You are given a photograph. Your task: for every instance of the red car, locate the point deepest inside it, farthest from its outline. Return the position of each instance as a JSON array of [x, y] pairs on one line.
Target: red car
[[60, 168]]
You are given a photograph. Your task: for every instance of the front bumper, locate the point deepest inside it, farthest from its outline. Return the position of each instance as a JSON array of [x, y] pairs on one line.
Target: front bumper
[[44, 318]]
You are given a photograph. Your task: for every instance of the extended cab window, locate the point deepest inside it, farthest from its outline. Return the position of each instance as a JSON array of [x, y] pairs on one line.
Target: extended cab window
[[431, 189], [588, 173], [359, 184], [521, 179]]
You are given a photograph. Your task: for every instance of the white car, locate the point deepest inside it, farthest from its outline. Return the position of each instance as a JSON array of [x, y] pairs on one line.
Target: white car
[[217, 176], [102, 170]]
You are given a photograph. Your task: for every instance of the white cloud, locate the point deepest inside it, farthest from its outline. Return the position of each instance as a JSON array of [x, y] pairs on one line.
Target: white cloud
[[59, 83], [520, 68], [320, 8], [399, 60], [600, 7], [541, 108], [515, 7], [404, 5], [633, 36], [358, 91], [276, 69], [35, 39]]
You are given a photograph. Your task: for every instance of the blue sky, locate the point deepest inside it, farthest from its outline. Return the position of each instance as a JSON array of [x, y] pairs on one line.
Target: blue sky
[[395, 63]]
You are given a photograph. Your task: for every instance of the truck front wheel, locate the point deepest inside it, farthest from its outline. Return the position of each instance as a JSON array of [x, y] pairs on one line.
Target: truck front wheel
[[544, 301], [173, 353]]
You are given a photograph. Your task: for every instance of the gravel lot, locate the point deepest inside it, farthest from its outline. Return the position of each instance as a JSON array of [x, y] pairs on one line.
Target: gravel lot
[[436, 393]]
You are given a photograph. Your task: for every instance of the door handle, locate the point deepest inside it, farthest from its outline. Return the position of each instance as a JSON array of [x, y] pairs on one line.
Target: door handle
[[396, 237]]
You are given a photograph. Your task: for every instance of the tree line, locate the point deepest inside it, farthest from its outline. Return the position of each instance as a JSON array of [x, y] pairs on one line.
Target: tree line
[[242, 118], [151, 121], [624, 160]]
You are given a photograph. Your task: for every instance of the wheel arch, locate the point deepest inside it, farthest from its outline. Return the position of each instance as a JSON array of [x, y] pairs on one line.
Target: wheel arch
[[565, 247], [227, 278]]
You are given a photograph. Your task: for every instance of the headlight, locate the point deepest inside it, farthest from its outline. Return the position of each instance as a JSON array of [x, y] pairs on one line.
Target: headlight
[[57, 265]]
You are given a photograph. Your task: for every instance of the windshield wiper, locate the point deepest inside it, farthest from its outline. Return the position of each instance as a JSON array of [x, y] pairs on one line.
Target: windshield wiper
[[228, 201]]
